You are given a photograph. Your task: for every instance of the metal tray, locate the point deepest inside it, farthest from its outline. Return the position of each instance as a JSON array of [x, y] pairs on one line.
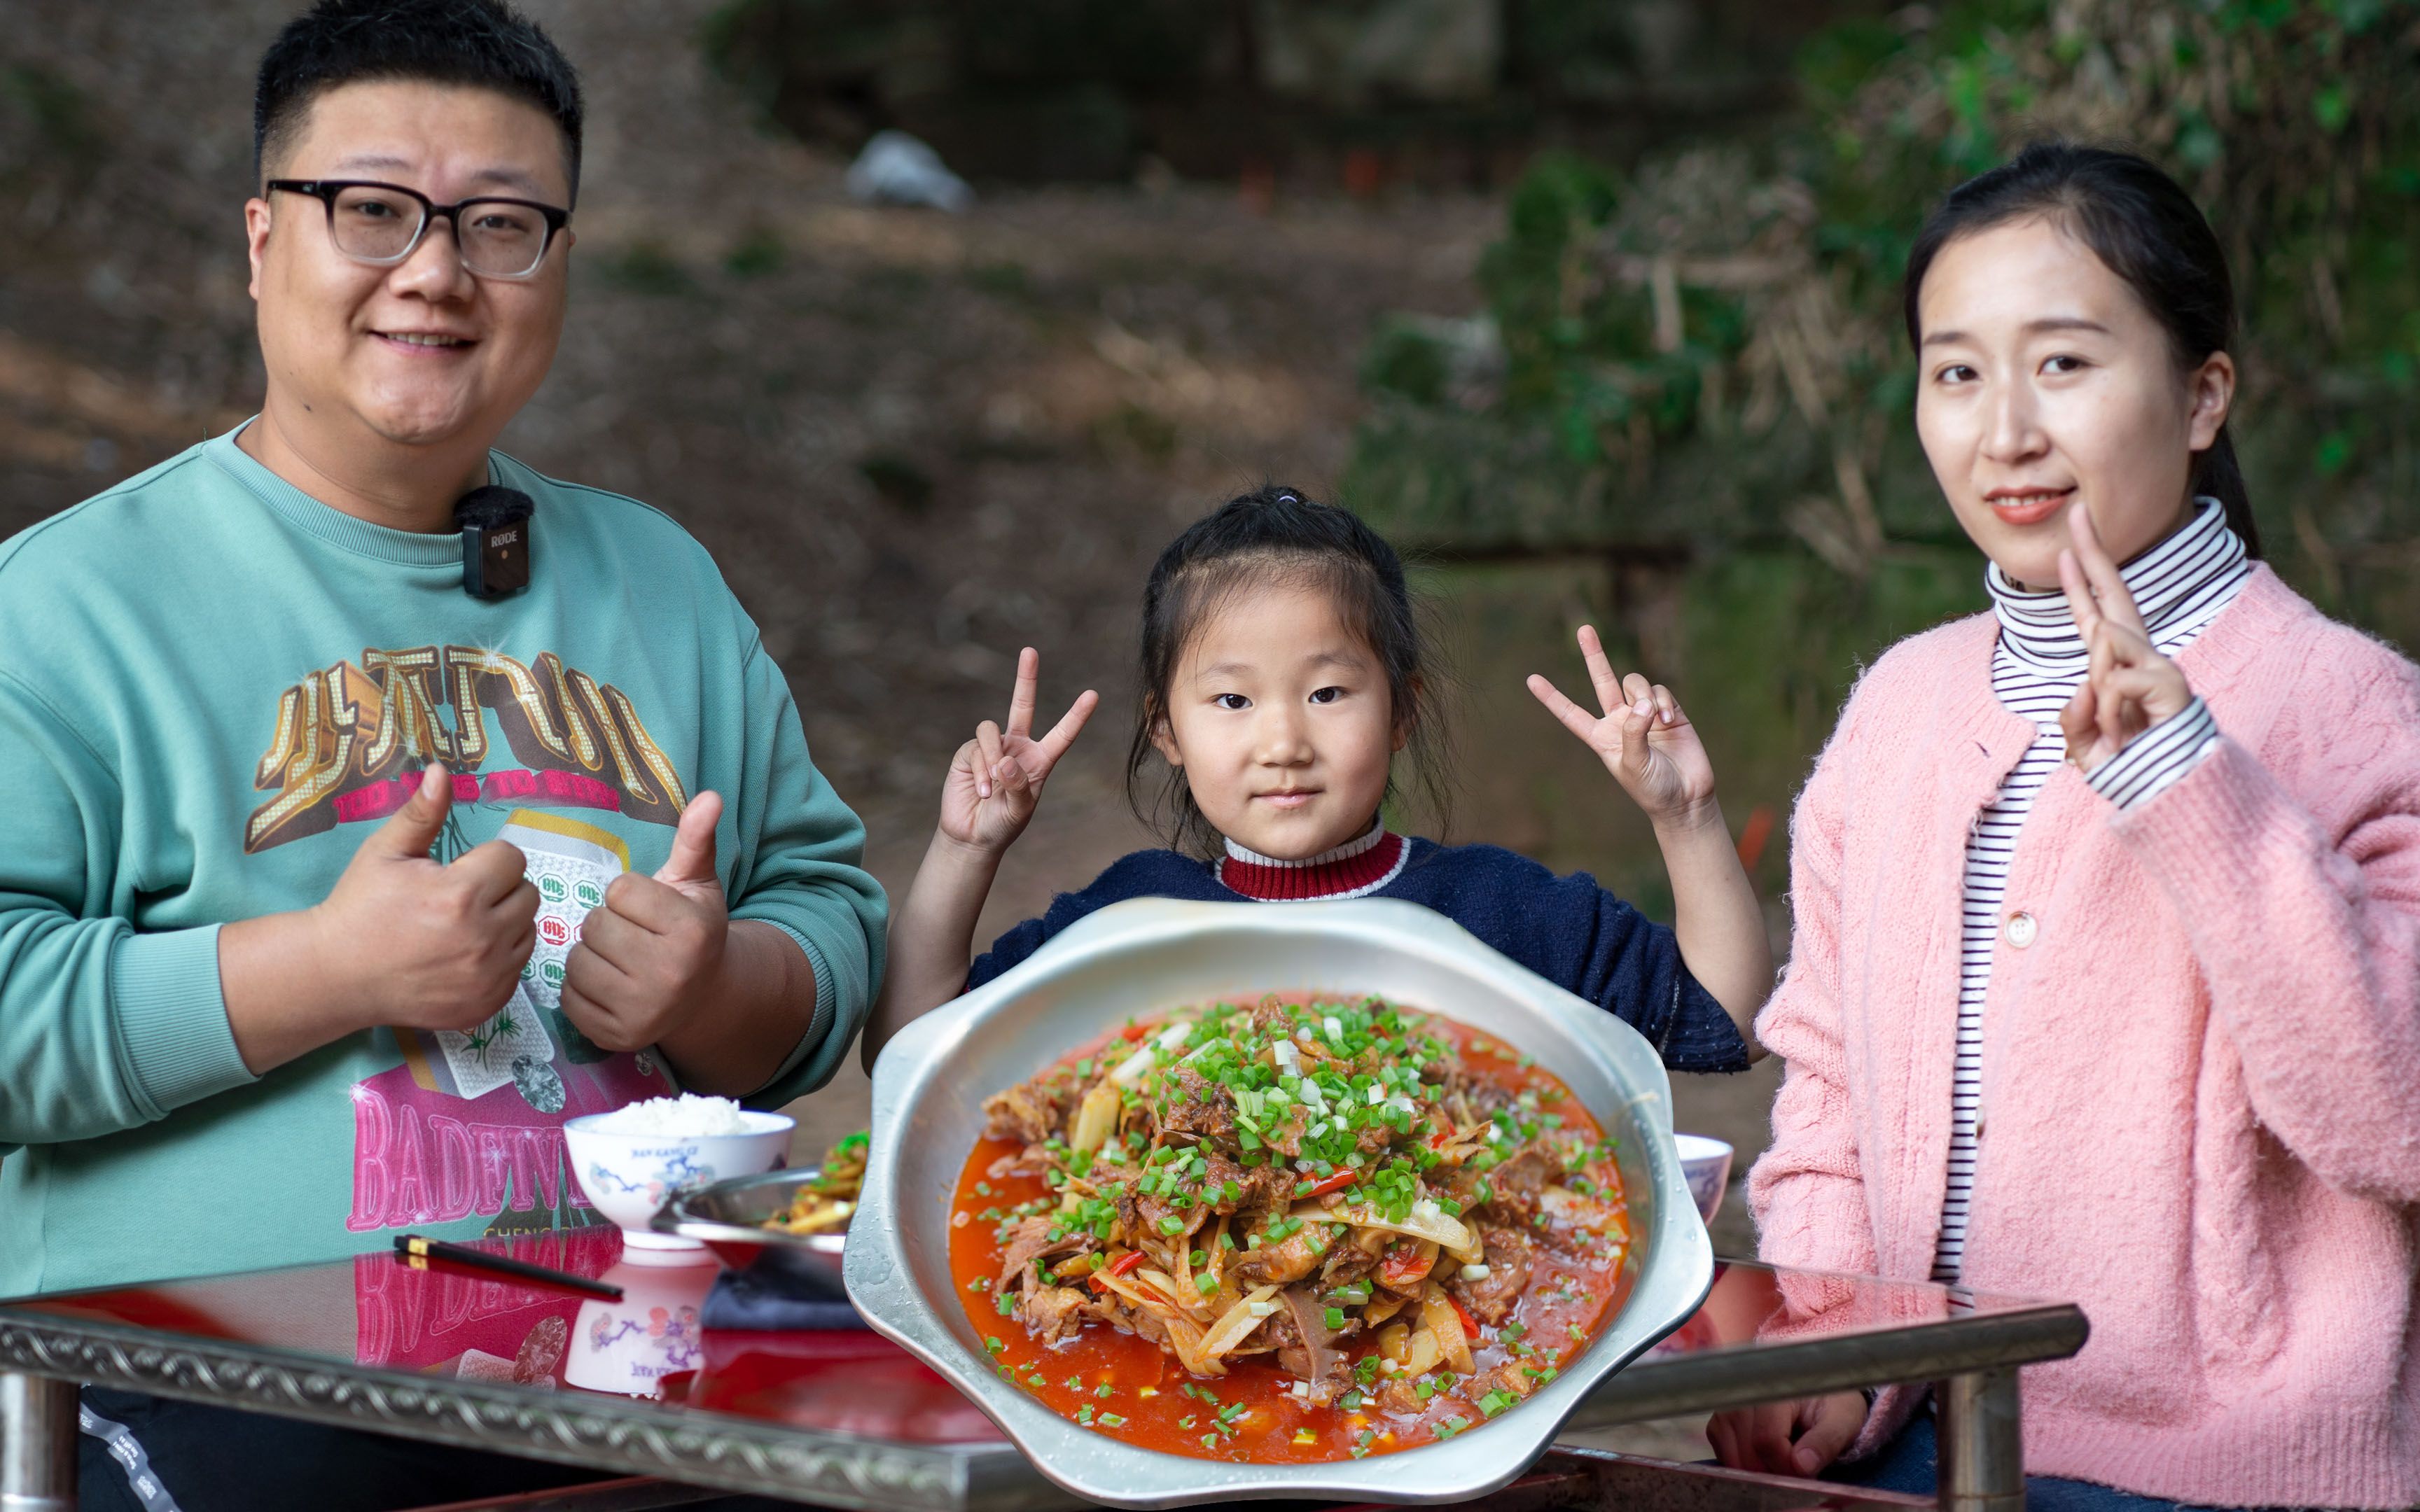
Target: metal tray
[[1151, 955], [728, 1218]]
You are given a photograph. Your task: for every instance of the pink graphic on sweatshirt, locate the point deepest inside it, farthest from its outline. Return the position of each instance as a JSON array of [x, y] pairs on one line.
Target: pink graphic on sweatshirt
[[424, 1156]]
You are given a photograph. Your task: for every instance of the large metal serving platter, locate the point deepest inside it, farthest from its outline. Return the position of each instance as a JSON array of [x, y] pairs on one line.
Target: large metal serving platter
[[1151, 955]]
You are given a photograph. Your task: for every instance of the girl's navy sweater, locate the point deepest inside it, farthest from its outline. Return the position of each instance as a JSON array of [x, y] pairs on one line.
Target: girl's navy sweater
[[1567, 930]]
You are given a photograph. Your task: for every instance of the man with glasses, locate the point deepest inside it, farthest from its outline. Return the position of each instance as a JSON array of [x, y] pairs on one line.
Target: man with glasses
[[338, 869]]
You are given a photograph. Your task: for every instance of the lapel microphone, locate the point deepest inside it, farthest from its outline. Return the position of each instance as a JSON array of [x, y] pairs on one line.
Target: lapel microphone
[[495, 523]]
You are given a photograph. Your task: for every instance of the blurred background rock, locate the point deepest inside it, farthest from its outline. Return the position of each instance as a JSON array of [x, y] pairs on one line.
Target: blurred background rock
[[1591, 303]]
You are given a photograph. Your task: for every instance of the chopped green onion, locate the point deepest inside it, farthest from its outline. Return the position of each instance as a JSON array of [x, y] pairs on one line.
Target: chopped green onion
[[1172, 1225]]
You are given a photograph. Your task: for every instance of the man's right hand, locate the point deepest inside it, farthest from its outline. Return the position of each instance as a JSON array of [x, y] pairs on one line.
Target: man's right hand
[[402, 940], [420, 944]]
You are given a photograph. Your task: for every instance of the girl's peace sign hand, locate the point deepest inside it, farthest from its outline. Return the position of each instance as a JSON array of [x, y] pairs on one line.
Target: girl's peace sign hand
[[996, 779], [2130, 686], [1644, 739]]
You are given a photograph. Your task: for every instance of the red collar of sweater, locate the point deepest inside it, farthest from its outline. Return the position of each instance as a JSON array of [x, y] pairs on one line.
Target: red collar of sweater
[[1353, 869]]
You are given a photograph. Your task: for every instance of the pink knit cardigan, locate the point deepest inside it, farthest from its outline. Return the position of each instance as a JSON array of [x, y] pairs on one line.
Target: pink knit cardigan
[[2201, 1077]]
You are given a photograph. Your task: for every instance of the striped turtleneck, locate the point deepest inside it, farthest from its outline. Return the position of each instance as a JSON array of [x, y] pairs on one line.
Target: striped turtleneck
[[1355, 868], [2179, 585]]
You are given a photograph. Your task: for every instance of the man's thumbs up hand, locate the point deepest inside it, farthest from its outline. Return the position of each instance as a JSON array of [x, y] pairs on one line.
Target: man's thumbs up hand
[[690, 866], [654, 952], [409, 833], [421, 945]]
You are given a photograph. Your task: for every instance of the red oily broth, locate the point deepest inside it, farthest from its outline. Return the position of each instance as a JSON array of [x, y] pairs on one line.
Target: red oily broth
[[1128, 1388]]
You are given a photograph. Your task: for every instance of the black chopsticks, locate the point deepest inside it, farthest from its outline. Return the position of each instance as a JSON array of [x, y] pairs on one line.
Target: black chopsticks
[[418, 1251]]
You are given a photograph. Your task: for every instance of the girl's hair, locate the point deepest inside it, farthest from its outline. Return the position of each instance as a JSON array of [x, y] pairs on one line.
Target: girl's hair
[[2146, 230], [1275, 537]]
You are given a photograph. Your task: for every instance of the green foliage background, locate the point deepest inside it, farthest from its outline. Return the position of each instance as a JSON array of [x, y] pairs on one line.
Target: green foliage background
[[1696, 370]]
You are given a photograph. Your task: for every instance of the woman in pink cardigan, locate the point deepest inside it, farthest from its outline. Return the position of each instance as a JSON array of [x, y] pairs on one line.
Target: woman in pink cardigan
[[2106, 980]]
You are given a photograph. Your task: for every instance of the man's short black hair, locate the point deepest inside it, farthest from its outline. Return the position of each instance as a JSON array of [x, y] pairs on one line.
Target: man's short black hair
[[484, 43]]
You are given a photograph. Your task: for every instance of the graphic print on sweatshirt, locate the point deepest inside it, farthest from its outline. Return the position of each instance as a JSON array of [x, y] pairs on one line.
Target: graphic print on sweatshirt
[[351, 741]]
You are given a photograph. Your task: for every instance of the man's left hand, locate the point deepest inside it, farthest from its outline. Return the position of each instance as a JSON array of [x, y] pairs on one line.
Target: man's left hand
[[652, 956]]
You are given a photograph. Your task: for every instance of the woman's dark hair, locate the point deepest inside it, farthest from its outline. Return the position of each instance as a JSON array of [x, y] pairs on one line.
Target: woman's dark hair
[[1275, 536], [484, 43], [2143, 226]]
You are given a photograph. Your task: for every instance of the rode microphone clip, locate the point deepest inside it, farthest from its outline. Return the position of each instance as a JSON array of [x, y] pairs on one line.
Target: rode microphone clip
[[495, 523]]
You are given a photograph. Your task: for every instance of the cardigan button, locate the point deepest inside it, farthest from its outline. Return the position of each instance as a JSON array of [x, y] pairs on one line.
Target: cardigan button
[[2021, 930]]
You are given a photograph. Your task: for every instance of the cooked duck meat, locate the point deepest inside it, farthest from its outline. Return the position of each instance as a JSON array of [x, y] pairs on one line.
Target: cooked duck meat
[[1030, 1240], [1052, 1313], [1490, 1298], [1025, 1113], [1197, 1108], [1352, 1260], [1288, 1262], [1515, 1181]]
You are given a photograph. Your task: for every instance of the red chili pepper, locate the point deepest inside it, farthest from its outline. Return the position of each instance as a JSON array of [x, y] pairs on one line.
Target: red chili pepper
[[1125, 1262], [1401, 1264], [1469, 1324], [1334, 1183]]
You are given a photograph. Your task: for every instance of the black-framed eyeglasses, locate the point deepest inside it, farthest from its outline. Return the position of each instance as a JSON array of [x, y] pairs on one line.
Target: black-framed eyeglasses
[[382, 225]]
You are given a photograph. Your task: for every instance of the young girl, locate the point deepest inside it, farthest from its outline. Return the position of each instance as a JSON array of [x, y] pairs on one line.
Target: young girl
[[1282, 671], [2107, 982]]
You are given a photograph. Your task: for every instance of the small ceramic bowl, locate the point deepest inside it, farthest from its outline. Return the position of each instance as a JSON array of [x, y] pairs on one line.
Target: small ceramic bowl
[[1706, 1164], [629, 1177]]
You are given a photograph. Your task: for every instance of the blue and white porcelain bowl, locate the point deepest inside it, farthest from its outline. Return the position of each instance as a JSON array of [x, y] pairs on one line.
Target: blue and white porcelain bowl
[[1706, 1164], [629, 1177]]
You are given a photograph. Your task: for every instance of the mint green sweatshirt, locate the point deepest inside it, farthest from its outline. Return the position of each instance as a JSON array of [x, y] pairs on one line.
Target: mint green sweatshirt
[[213, 688]]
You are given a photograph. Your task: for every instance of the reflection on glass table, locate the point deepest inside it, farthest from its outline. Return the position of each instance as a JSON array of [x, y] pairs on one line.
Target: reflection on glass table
[[845, 1418]]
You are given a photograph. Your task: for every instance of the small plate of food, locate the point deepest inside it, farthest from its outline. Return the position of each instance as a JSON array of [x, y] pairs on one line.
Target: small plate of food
[[794, 1221], [1211, 1201]]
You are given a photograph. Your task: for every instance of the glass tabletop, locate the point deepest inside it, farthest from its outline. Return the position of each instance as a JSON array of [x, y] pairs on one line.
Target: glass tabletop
[[459, 1355]]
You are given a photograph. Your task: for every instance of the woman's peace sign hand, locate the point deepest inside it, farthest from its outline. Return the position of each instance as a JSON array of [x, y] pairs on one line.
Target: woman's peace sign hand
[[2131, 685], [996, 779], [1644, 739]]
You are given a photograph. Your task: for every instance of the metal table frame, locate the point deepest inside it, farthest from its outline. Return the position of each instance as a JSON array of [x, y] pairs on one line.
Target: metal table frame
[[1971, 1360]]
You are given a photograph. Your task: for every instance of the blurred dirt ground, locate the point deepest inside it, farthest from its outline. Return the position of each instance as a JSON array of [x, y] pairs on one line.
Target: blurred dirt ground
[[915, 442]]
